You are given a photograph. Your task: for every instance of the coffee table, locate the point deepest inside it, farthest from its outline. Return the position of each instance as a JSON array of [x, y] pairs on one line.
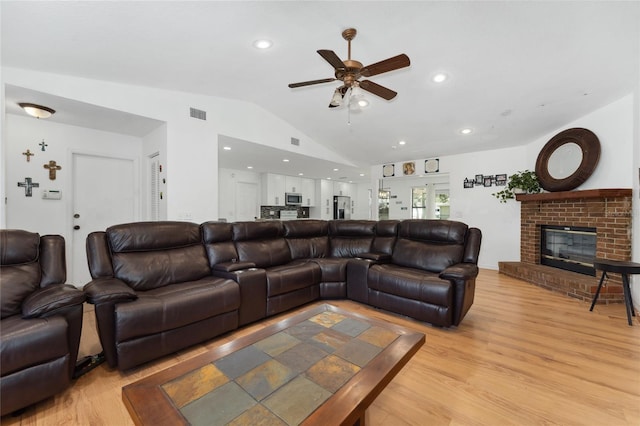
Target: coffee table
[[322, 366]]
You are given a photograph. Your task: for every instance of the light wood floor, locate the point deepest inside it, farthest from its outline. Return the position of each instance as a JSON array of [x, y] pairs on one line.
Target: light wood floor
[[522, 356]]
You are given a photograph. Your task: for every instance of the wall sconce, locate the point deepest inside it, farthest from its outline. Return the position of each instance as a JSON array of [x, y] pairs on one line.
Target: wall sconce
[[37, 111]]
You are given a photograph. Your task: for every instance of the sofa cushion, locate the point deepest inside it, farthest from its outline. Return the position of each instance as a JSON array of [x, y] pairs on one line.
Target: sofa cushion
[[386, 234], [349, 238], [20, 272], [292, 276], [147, 236], [265, 253], [334, 269], [431, 245], [174, 306], [433, 231], [18, 247], [217, 237], [411, 284], [243, 231], [157, 268], [149, 255], [307, 238], [16, 283], [21, 336], [426, 256]]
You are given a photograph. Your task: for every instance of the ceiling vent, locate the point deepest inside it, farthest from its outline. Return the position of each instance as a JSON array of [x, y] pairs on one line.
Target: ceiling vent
[[295, 141], [199, 114]]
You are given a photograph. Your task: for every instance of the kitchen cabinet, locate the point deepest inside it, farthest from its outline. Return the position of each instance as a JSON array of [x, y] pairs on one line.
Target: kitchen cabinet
[[324, 190], [273, 189], [342, 189], [308, 190], [292, 184]]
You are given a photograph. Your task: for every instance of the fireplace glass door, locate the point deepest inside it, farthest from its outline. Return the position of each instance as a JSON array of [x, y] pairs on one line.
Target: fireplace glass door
[[569, 248]]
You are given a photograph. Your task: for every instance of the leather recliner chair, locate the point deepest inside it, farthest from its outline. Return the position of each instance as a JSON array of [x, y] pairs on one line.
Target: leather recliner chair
[[41, 319]]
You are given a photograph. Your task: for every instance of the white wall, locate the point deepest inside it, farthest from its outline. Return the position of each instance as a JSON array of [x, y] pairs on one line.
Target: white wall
[[191, 145], [500, 223], [34, 213]]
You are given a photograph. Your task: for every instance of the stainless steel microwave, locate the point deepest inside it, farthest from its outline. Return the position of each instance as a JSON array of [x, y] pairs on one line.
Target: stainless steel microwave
[[292, 199]]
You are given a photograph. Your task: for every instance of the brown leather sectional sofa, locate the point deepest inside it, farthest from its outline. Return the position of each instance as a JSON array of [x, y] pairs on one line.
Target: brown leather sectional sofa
[[162, 286]]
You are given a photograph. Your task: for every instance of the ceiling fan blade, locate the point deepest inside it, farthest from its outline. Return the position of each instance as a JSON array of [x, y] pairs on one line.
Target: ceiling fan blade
[[387, 65], [309, 83], [332, 58], [377, 90]]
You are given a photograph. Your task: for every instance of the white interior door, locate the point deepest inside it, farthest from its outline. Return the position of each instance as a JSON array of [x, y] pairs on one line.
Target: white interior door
[[104, 194], [246, 201]]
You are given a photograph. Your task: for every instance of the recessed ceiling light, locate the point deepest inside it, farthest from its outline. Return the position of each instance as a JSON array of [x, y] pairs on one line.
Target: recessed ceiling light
[[466, 131], [285, 160], [300, 174], [262, 44], [249, 167], [363, 103], [402, 143], [227, 148], [335, 170], [328, 178], [361, 174], [439, 77]]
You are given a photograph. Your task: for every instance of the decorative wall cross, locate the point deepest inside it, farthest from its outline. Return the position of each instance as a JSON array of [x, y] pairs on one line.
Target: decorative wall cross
[[53, 168], [43, 145], [28, 154], [28, 184]]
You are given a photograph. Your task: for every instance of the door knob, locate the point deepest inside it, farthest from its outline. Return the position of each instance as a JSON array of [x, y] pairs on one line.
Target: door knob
[[76, 227]]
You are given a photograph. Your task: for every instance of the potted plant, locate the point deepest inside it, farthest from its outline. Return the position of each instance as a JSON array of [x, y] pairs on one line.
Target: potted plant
[[519, 183]]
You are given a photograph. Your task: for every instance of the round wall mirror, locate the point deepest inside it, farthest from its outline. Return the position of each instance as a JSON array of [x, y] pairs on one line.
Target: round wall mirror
[[568, 159]]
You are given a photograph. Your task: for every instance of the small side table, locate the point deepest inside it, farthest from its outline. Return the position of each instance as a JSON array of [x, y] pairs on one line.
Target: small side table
[[623, 268]]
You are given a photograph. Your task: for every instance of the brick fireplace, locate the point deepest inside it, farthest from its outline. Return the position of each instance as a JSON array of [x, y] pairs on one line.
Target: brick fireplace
[[607, 210]]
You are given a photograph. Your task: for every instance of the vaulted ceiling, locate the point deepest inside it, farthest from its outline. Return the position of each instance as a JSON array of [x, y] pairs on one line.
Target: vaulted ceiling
[[516, 69]]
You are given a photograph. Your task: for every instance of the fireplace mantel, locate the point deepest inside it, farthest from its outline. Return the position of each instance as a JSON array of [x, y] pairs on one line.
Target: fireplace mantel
[[572, 195]]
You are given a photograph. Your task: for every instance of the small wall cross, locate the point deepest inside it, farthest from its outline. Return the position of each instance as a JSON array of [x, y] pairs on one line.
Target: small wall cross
[[28, 184], [53, 168], [43, 145], [28, 154]]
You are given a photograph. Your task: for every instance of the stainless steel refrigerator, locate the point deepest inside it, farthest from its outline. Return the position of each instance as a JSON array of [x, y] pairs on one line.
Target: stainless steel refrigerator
[[341, 207]]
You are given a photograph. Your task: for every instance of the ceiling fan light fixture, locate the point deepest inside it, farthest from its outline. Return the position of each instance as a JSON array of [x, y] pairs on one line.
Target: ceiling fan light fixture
[[336, 100], [37, 111]]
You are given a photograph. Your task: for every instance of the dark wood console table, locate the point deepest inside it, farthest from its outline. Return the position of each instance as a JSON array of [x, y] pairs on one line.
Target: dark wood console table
[[623, 268]]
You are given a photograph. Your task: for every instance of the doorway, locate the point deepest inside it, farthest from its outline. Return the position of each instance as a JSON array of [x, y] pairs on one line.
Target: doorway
[[105, 192], [246, 201]]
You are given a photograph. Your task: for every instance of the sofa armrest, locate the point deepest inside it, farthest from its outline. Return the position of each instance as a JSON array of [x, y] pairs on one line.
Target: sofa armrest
[[253, 292], [460, 271], [51, 299], [376, 257], [233, 266], [108, 290]]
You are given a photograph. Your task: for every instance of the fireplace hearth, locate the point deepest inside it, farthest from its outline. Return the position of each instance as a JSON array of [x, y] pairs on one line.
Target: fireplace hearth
[[608, 211]]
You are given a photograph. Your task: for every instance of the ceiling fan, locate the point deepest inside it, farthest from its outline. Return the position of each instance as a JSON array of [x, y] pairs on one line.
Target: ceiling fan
[[350, 72]]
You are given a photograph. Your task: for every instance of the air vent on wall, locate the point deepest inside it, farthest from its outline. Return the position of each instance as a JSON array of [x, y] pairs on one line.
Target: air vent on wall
[[295, 141], [199, 114]]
